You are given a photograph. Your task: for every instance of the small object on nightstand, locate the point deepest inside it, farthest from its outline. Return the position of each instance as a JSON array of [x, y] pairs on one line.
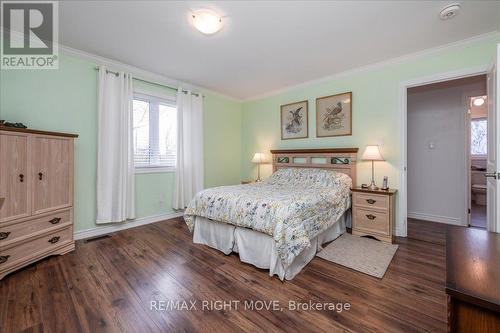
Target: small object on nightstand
[[373, 213], [384, 184], [243, 182]]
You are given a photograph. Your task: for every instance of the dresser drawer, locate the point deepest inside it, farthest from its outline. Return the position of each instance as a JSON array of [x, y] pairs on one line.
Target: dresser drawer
[[35, 246], [372, 221], [369, 200], [16, 230]]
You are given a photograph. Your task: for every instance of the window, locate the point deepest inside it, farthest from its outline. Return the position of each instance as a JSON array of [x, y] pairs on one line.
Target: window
[[478, 136], [155, 132]]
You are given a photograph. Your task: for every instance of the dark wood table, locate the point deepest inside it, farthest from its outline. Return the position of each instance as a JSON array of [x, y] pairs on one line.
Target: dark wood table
[[473, 280]]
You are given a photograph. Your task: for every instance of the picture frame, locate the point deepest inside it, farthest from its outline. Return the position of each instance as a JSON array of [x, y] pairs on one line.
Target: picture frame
[[294, 120], [334, 115]]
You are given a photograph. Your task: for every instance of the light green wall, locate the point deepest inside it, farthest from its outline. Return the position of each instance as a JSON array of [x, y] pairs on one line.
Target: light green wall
[[376, 107], [66, 100]]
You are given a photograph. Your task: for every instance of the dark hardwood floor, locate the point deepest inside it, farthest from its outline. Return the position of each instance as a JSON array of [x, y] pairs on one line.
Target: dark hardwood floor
[[478, 216], [107, 285]]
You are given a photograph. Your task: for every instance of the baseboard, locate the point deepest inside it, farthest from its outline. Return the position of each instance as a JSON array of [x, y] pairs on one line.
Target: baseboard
[[107, 229], [435, 218]]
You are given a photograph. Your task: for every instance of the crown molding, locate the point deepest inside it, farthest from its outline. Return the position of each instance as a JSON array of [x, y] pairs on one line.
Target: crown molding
[[164, 80], [135, 71], [141, 73], [392, 61]]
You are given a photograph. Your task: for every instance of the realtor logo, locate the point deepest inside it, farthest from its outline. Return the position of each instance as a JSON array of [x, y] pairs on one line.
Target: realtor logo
[[29, 35]]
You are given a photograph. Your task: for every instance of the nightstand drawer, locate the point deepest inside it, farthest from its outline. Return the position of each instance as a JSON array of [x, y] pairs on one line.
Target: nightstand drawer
[[369, 201], [371, 221]]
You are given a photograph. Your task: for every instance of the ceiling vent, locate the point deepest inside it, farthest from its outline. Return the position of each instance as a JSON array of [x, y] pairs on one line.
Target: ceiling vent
[[449, 11]]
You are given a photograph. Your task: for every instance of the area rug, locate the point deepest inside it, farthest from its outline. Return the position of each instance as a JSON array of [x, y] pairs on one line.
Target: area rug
[[362, 254]]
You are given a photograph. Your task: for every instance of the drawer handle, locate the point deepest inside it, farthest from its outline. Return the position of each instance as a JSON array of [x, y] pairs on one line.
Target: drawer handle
[[4, 235], [371, 201], [4, 259], [54, 240], [40, 176], [21, 178], [55, 220], [371, 217]]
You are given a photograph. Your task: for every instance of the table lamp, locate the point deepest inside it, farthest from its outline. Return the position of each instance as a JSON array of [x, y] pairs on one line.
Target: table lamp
[[372, 153], [259, 158]]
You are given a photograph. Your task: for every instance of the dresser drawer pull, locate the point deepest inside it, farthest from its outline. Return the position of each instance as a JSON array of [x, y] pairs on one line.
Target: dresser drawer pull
[[55, 220], [21, 178], [371, 201], [4, 235], [54, 240], [371, 217], [4, 259]]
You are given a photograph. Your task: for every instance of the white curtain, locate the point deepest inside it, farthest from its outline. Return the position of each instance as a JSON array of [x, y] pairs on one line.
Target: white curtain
[[115, 162], [189, 173]]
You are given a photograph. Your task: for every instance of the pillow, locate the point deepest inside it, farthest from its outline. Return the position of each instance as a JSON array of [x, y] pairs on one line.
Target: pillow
[[308, 177]]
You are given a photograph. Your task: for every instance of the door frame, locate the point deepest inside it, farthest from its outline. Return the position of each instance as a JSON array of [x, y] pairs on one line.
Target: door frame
[[401, 224], [468, 118]]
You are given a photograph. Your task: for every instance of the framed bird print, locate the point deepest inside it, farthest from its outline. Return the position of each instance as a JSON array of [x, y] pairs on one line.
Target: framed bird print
[[334, 115], [294, 122]]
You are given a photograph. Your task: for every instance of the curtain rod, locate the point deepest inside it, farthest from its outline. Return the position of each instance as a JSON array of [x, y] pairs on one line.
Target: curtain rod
[[158, 84]]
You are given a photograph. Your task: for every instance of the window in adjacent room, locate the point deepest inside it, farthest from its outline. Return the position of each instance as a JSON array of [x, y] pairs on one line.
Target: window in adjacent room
[[478, 136], [155, 133]]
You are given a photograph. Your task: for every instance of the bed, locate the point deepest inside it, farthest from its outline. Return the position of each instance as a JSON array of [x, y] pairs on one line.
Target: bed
[[279, 224]]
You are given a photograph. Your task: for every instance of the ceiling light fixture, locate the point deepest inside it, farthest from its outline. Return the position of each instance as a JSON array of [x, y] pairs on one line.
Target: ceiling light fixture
[[449, 11], [478, 101], [207, 21]]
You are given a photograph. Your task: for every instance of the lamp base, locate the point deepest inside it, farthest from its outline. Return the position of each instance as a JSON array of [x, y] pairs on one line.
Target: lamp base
[[372, 186]]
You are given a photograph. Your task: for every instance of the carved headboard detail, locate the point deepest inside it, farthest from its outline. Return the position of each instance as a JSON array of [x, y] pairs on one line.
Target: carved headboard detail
[[338, 159]]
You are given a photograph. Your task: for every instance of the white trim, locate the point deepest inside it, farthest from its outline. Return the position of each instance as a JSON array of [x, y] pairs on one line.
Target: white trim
[[141, 73], [161, 79], [98, 231], [401, 223], [392, 61], [435, 218], [135, 71], [142, 170]]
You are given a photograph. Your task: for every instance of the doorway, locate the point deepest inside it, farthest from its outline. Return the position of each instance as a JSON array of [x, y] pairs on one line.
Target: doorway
[[478, 153], [439, 160]]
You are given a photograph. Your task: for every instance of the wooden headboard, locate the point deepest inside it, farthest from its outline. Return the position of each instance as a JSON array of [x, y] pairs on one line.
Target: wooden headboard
[[338, 159]]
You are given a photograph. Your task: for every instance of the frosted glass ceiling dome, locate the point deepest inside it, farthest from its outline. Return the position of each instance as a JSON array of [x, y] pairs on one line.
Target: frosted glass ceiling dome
[[207, 21]]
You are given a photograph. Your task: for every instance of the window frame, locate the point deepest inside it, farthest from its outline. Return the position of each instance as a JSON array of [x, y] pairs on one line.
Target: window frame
[[478, 156], [154, 99]]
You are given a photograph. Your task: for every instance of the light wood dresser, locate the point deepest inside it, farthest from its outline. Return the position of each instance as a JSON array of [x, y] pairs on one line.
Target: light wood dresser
[[36, 196], [373, 213]]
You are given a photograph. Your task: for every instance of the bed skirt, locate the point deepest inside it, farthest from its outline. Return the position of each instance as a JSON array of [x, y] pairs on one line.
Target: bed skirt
[[259, 249]]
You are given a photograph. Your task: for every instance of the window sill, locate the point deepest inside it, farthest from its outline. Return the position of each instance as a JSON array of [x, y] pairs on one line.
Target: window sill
[[154, 170]]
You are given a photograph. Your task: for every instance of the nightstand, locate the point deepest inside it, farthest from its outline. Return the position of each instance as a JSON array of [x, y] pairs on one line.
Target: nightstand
[[247, 181], [373, 213]]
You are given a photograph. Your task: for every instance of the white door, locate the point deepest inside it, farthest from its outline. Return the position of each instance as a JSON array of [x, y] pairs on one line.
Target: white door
[[493, 167]]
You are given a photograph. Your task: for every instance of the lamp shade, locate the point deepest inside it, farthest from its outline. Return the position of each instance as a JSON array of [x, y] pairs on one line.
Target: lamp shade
[[372, 153], [259, 158]]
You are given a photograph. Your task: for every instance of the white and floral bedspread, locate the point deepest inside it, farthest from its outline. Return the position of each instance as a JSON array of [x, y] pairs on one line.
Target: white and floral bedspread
[[293, 206]]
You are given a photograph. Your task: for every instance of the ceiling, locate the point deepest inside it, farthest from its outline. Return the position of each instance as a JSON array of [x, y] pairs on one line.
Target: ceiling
[[265, 46]]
